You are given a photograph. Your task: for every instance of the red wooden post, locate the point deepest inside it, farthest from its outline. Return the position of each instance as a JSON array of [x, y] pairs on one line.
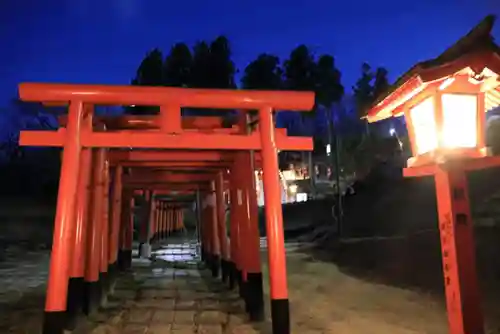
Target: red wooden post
[[147, 225], [221, 226], [254, 291], [126, 231], [163, 230], [144, 222], [240, 212], [157, 217], [214, 234], [92, 273], [179, 211], [175, 218], [105, 229], [152, 220], [178, 219], [115, 219], [76, 282], [64, 227], [170, 218], [280, 313], [234, 263], [181, 220], [458, 252], [204, 229]]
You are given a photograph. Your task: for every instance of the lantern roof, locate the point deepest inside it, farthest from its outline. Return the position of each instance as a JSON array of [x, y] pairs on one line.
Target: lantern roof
[[475, 54]]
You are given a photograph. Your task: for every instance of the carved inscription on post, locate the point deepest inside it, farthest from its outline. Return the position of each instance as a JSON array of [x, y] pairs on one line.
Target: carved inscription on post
[[446, 235]]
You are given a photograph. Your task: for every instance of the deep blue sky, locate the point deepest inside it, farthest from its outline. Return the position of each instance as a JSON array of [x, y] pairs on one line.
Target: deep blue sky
[[91, 41]]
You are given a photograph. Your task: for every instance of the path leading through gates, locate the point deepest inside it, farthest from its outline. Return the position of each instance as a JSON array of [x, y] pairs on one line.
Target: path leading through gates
[[173, 294]]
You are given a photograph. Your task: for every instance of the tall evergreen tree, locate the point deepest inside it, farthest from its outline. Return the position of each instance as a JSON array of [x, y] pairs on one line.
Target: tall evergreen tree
[[177, 66], [222, 68], [329, 91], [149, 73], [363, 90], [300, 69], [212, 68], [300, 74], [264, 72], [381, 84], [329, 88], [200, 68]]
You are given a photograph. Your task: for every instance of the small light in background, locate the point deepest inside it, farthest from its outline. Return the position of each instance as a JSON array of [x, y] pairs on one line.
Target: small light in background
[[302, 197], [328, 149]]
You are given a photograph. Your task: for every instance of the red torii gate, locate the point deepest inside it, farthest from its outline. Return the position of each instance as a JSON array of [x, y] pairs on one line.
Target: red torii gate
[[80, 136]]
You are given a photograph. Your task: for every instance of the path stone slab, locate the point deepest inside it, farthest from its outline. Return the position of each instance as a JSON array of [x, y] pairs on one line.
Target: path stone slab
[[163, 316], [210, 329], [135, 329], [212, 317], [183, 317], [139, 315], [160, 329]]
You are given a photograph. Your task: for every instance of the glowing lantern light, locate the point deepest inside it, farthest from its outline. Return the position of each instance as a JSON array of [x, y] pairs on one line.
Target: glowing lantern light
[[447, 121], [460, 114], [444, 125], [424, 126]]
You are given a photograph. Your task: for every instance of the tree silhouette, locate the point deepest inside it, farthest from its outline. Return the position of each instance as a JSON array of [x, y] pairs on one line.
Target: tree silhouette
[[208, 65], [27, 116], [329, 91], [264, 72], [150, 70], [212, 68], [300, 74], [149, 73], [369, 87], [200, 68], [329, 88], [363, 90], [177, 66], [222, 69], [33, 170], [381, 84]]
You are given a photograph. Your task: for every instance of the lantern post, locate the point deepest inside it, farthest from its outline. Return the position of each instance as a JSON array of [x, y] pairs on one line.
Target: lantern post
[[444, 102]]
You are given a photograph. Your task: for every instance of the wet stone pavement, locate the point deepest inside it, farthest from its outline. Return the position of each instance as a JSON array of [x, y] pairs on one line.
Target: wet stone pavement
[[172, 293], [169, 293]]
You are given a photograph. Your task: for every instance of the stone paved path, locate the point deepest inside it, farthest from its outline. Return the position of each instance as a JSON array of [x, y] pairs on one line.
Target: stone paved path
[[171, 294]]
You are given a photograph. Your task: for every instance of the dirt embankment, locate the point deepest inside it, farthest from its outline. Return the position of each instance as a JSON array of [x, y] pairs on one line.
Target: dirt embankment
[[25, 222], [391, 236]]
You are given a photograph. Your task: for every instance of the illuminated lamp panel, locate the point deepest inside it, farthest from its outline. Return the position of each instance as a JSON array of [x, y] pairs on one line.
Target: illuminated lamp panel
[[491, 99], [424, 126], [459, 120]]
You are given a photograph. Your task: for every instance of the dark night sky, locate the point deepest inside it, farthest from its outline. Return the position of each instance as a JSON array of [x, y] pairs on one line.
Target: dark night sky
[[90, 41]]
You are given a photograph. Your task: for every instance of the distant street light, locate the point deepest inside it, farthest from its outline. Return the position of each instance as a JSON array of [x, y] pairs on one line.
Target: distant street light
[[393, 133]]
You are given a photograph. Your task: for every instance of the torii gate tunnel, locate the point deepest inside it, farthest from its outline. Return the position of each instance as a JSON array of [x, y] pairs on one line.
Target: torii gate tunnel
[[107, 160]]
